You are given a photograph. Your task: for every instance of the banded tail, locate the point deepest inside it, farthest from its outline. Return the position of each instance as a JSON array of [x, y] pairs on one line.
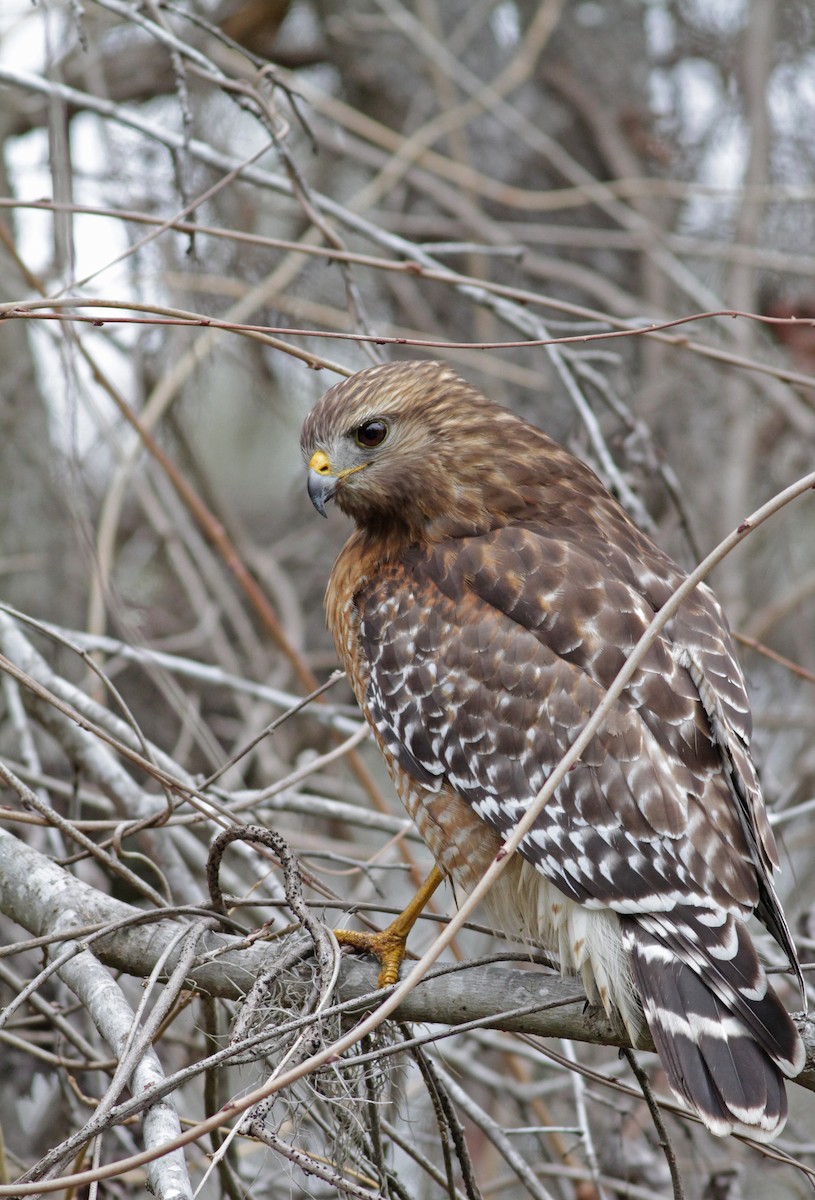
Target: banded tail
[[722, 1035]]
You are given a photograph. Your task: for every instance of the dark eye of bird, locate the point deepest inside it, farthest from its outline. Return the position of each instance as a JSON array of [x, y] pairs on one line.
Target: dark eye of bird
[[372, 434]]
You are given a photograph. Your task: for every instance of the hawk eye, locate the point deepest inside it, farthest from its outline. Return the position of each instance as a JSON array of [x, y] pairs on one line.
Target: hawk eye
[[371, 434]]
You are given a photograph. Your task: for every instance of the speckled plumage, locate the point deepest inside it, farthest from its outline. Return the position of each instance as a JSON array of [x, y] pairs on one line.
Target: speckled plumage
[[488, 597]]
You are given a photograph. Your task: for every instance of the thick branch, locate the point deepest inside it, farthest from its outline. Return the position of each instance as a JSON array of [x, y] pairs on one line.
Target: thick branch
[[37, 894]]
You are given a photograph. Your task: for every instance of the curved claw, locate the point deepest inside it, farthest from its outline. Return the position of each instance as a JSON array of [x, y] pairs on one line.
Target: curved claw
[[390, 945]]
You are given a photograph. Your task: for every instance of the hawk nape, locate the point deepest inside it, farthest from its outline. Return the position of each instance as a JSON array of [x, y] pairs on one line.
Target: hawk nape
[[488, 597]]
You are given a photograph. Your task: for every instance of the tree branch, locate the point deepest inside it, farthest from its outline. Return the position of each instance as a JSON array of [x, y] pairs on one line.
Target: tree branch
[[37, 893]]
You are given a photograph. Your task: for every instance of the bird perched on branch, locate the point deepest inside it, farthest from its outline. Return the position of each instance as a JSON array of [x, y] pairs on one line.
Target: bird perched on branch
[[489, 595]]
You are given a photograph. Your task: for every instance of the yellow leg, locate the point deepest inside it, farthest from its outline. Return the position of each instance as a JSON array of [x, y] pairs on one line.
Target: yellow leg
[[389, 944]]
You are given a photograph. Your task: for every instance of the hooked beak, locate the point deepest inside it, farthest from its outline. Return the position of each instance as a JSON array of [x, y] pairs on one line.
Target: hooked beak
[[321, 488], [322, 482]]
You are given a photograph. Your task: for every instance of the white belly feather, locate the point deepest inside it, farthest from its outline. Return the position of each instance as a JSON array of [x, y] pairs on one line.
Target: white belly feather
[[588, 942]]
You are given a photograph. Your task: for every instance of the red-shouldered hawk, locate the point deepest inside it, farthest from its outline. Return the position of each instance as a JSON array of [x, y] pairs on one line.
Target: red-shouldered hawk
[[489, 595]]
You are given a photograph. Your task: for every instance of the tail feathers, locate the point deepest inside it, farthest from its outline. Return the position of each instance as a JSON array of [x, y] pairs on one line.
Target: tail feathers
[[723, 1036]]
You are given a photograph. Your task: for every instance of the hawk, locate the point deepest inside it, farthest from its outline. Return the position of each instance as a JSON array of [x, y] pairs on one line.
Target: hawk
[[490, 593]]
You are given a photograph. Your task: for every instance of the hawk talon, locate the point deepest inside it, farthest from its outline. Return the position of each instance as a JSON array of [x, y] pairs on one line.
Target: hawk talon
[[389, 946]]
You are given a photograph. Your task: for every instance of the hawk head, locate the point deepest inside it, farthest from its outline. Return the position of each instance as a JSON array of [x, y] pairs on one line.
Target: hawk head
[[411, 448]]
